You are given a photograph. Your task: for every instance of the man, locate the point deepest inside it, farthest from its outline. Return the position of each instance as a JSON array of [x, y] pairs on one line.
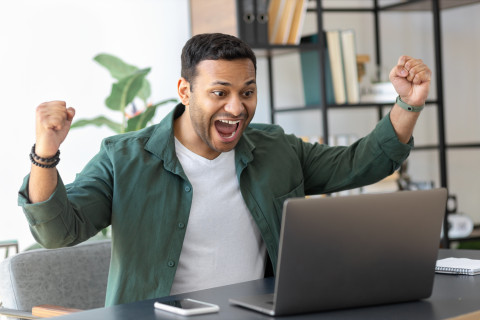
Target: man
[[196, 201]]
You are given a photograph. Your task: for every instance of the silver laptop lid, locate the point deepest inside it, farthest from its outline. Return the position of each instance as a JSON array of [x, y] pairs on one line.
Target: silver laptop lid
[[341, 252]]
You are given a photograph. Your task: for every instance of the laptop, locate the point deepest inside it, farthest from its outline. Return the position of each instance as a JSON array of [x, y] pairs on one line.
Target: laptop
[[354, 251]]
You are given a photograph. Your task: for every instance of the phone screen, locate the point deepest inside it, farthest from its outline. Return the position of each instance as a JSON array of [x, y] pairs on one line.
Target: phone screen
[[185, 304]]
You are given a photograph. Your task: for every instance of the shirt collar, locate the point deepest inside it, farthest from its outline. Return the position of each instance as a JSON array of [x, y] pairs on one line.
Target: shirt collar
[[162, 143]]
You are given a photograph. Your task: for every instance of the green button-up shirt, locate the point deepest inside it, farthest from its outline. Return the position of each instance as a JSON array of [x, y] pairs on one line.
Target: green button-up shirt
[[136, 184]]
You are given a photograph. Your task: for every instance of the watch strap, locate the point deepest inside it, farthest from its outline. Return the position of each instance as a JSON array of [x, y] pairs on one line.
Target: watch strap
[[408, 107]]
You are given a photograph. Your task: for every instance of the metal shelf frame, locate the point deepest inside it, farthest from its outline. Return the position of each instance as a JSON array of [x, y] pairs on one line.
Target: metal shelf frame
[[435, 7]]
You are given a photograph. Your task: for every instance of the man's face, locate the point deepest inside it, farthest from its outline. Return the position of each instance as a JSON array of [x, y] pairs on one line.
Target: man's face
[[221, 105]]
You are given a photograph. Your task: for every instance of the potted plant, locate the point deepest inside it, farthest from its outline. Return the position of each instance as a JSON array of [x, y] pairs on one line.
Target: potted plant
[[131, 84]]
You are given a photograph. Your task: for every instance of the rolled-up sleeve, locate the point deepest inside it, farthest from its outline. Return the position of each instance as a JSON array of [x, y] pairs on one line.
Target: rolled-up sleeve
[[45, 211], [389, 143], [47, 217], [74, 212]]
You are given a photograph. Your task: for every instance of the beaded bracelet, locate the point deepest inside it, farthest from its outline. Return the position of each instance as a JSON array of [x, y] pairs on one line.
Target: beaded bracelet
[[52, 162]]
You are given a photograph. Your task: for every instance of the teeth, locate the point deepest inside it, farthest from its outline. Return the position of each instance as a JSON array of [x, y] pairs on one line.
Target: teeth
[[229, 122], [231, 135]]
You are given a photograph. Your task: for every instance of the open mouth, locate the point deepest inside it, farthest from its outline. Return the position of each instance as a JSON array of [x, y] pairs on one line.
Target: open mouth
[[227, 128]]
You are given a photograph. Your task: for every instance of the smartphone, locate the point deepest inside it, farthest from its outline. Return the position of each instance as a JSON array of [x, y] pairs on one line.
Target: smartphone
[[187, 307]]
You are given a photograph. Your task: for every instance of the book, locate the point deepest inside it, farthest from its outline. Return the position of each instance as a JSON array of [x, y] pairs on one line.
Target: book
[[334, 45], [387, 184], [462, 266], [284, 22], [274, 9], [246, 21], [349, 55], [297, 22], [311, 76], [262, 22], [380, 92]]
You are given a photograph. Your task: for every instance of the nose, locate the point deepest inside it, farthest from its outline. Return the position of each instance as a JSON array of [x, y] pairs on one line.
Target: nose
[[235, 106]]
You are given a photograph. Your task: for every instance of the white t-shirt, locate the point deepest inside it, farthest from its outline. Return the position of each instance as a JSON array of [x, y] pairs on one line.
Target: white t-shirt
[[222, 243]]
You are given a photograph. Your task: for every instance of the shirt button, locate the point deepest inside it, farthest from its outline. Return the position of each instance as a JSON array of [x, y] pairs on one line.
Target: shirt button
[[171, 263], [187, 189], [181, 225]]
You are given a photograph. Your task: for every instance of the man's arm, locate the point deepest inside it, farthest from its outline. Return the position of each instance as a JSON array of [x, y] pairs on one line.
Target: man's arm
[[411, 79], [53, 121]]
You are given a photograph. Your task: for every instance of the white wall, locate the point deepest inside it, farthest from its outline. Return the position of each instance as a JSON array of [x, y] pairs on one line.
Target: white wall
[[47, 48], [46, 51]]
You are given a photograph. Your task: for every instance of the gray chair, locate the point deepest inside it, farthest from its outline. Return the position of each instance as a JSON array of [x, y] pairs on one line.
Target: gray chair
[[72, 277]]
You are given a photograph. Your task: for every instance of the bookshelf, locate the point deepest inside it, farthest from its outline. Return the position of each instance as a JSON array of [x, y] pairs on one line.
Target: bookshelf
[[375, 10]]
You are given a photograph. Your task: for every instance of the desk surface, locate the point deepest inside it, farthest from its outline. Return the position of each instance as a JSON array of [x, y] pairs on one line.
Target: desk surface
[[452, 295]]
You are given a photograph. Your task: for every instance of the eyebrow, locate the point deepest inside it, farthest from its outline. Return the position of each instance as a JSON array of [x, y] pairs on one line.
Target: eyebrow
[[228, 84]]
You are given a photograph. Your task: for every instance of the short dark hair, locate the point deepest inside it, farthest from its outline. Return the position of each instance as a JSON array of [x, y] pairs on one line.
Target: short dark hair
[[212, 46]]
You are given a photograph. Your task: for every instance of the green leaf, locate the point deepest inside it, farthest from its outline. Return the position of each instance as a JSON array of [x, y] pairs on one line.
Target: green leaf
[[125, 90], [140, 121], [98, 121], [145, 91], [117, 67]]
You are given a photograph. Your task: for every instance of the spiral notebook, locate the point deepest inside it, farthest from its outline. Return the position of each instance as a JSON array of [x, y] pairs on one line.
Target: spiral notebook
[[463, 266]]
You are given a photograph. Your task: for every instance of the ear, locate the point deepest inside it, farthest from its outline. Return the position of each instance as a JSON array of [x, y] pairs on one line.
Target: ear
[[183, 88]]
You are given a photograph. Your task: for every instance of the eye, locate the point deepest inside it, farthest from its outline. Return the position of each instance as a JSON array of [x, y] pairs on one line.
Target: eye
[[249, 93], [219, 93]]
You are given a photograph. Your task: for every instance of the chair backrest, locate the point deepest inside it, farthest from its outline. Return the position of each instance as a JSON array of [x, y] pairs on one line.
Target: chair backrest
[[71, 277]]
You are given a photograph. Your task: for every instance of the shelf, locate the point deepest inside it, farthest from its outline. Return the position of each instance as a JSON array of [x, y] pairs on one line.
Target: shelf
[[426, 147], [462, 145], [367, 104], [343, 106], [450, 146], [422, 5], [402, 5], [374, 8], [270, 50], [332, 106]]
